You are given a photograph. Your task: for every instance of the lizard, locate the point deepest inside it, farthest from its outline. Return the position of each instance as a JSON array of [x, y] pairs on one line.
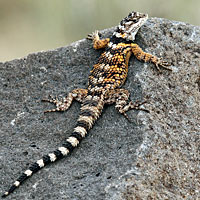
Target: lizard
[[104, 87]]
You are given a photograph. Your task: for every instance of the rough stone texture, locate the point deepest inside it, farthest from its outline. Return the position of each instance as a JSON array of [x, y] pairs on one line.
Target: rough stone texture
[[155, 157]]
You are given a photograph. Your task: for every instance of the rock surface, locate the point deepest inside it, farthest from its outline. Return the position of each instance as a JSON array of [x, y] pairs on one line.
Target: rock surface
[[155, 157]]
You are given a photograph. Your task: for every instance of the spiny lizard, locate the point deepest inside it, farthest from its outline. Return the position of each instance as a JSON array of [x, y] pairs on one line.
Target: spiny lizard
[[104, 87]]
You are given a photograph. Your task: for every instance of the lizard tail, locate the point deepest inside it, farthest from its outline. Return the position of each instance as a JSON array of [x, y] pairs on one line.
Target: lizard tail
[[90, 110]]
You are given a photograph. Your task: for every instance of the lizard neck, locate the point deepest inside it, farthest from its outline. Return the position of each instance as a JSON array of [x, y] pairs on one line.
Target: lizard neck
[[117, 40]]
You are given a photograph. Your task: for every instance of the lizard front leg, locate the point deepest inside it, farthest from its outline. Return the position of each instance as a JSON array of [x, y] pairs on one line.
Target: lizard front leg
[[147, 57], [63, 104], [97, 42]]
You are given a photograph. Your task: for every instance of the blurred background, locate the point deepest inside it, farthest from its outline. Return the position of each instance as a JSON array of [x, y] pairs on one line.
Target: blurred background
[[29, 26]]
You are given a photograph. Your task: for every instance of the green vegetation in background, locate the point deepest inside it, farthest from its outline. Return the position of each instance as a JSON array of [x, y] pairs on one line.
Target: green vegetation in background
[[30, 26]]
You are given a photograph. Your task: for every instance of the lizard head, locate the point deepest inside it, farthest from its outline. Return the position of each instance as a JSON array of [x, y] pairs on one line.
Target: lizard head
[[129, 26]]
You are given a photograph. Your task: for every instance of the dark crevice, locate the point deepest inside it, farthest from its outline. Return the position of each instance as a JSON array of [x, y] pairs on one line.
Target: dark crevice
[[97, 175], [198, 83]]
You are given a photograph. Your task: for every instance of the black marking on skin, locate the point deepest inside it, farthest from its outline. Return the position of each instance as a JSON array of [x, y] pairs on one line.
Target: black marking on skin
[[22, 178], [90, 102], [87, 112], [115, 51], [13, 187], [68, 145], [116, 40], [35, 167], [84, 124], [58, 154], [46, 159], [77, 135]]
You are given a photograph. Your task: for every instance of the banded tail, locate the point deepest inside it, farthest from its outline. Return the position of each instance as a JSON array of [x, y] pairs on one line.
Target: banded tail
[[91, 109]]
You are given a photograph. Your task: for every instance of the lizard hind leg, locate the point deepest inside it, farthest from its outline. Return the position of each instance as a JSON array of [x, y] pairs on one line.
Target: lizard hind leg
[[63, 104], [130, 106], [123, 105]]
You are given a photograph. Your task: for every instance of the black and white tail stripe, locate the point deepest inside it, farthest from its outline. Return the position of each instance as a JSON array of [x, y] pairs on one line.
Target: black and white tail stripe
[[90, 111]]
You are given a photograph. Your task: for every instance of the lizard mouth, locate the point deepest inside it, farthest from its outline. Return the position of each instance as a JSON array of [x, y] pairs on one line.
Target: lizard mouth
[[130, 25]]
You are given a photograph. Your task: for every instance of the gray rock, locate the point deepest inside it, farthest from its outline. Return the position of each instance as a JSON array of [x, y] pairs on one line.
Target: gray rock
[[156, 156]]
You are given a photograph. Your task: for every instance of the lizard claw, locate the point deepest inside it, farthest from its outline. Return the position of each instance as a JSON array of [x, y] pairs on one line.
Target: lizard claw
[[127, 117], [51, 99], [137, 105], [89, 37], [133, 106], [163, 64], [54, 100], [93, 35]]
